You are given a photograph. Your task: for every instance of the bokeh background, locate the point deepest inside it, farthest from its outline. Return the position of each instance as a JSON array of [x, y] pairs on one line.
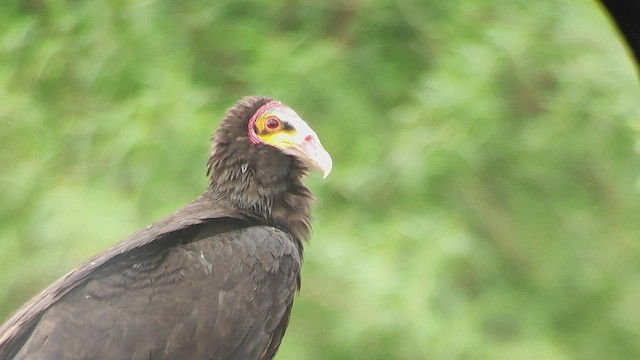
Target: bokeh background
[[484, 203]]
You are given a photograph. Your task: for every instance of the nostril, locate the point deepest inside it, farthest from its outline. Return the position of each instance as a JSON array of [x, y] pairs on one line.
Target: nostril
[[308, 138]]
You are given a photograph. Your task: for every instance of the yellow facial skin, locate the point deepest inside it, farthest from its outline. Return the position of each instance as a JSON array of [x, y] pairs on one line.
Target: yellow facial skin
[[282, 128], [279, 137]]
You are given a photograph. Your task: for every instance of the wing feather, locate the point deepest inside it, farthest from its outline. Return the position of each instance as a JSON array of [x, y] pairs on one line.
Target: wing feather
[[198, 292]]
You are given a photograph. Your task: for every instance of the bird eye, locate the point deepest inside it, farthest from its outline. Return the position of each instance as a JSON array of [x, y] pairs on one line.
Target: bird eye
[[272, 123]]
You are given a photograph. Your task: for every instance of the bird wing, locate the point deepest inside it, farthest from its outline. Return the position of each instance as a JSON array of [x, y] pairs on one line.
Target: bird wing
[[229, 274]]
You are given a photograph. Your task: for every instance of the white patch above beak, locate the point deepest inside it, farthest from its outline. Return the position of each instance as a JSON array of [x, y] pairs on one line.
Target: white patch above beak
[[306, 144]]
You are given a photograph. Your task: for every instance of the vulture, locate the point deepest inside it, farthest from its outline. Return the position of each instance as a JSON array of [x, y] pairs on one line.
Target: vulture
[[214, 280]]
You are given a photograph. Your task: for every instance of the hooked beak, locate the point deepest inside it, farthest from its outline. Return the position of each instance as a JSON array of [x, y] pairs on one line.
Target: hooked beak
[[309, 149], [298, 140]]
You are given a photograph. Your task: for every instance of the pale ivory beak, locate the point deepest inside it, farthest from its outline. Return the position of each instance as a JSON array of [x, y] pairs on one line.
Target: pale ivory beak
[[309, 148], [304, 143]]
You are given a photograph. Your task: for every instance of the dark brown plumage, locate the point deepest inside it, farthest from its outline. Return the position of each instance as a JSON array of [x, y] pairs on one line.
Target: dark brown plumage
[[215, 280]]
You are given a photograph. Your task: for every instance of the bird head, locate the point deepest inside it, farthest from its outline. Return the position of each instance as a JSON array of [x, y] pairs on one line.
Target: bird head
[[277, 125]]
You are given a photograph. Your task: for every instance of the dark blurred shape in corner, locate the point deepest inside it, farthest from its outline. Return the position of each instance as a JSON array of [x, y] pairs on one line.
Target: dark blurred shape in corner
[[626, 14]]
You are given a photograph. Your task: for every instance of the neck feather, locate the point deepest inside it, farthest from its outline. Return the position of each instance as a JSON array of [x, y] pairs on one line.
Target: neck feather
[[264, 182]]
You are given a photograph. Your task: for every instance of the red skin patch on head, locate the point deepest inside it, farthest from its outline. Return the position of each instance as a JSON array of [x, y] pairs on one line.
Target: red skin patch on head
[[253, 137]]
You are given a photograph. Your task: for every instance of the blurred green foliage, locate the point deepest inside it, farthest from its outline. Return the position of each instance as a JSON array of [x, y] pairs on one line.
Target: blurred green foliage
[[484, 202]]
